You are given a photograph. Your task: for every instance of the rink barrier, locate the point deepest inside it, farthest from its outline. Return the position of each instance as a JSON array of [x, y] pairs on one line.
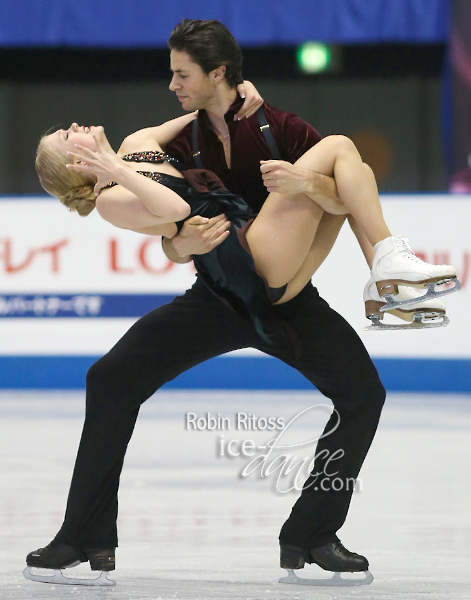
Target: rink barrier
[[81, 305], [58, 314], [239, 373]]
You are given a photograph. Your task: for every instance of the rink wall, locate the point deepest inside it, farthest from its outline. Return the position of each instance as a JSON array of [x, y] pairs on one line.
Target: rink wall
[[72, 286]]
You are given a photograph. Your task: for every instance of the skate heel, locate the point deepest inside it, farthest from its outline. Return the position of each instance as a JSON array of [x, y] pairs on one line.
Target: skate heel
[[291, 557], [373, 307], [101, 560], [387, 286]]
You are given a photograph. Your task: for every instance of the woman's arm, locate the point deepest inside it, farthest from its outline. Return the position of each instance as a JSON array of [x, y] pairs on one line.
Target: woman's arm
[[161, 135], [153, 137], [253, 101], [142, 198], [143, 202], [123, 209]]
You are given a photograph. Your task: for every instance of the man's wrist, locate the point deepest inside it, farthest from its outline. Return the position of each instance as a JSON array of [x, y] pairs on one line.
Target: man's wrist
[[171, 252], [312, 182], [318, 183], [175, 247]]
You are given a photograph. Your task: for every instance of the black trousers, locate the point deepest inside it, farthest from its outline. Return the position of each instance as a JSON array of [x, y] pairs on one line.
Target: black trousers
[[191, 329]]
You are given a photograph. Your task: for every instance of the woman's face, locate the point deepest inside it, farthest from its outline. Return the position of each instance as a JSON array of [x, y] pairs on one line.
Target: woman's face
[[65, 140]]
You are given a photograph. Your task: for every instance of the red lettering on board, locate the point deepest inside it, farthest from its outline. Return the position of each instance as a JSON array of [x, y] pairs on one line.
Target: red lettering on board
[[145, 263], [140, 261], [114, 259], [9, 266]]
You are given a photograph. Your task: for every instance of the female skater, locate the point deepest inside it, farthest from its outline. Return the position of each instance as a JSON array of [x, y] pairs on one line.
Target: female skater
[[263, 261]]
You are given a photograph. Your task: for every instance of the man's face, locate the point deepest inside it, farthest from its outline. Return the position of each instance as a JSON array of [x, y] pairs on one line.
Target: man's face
[[193, 87]]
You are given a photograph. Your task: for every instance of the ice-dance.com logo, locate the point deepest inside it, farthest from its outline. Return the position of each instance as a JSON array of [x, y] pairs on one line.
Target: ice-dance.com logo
[[320, 469]]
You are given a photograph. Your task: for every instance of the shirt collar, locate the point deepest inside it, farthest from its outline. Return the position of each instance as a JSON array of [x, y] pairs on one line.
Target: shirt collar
[[231, 111]]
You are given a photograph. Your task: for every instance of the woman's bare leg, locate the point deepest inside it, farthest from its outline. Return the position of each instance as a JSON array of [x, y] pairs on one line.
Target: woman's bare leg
[[364, 243], [290, 239], [326, 235], [337, 156], [284, 233], [282, 238]]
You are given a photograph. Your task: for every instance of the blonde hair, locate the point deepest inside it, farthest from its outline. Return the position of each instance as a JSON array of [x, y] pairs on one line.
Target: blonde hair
[[73, 189]]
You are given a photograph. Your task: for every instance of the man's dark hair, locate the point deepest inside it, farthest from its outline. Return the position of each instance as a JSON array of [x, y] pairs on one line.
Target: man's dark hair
[[210, 45]]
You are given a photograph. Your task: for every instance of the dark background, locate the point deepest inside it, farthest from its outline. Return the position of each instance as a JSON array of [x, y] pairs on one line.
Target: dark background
[[386, 97]]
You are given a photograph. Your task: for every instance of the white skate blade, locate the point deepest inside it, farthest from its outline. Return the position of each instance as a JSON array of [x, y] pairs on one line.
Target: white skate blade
[[335, 581], [59, 578], [417, 323], [429, 295]]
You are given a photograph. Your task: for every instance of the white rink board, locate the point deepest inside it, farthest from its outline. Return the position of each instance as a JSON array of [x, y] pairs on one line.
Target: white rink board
[[46, 250]]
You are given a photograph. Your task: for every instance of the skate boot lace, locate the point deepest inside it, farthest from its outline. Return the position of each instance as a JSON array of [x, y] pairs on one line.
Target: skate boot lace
[[403, 246]]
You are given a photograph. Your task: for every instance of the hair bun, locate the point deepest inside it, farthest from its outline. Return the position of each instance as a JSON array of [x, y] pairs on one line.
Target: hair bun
[[81, 199]]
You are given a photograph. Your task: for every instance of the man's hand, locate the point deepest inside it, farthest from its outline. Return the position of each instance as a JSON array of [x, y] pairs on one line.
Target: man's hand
[[283, 177], [253, 100], [200, 235]]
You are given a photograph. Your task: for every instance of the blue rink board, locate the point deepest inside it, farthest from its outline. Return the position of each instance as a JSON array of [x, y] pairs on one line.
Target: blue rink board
[[239, 372]]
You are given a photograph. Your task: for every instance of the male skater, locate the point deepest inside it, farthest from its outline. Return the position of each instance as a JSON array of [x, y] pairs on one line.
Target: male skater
[[206, 63]]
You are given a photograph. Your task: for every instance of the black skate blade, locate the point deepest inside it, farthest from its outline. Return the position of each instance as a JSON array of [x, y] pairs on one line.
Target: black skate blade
[[57, 577], [335, 581]]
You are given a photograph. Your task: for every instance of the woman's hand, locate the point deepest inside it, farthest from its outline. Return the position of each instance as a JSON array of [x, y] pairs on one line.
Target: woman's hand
[[101, 163], [253, 100]]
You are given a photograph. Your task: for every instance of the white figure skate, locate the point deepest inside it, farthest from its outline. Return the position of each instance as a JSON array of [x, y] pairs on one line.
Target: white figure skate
[[419, 315], [395, 264]]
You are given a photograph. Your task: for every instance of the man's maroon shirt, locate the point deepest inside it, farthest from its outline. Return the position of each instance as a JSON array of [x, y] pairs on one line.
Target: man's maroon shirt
[[293, 137]]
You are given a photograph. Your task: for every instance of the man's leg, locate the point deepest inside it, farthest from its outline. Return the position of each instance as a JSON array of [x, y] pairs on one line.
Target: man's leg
[[160, 346], [334, 359]]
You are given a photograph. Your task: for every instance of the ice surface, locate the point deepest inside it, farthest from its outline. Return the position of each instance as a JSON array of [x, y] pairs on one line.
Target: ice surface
[[191, 528]]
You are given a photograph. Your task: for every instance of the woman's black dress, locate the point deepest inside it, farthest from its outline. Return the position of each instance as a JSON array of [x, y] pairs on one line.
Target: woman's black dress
[[228, 270]]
